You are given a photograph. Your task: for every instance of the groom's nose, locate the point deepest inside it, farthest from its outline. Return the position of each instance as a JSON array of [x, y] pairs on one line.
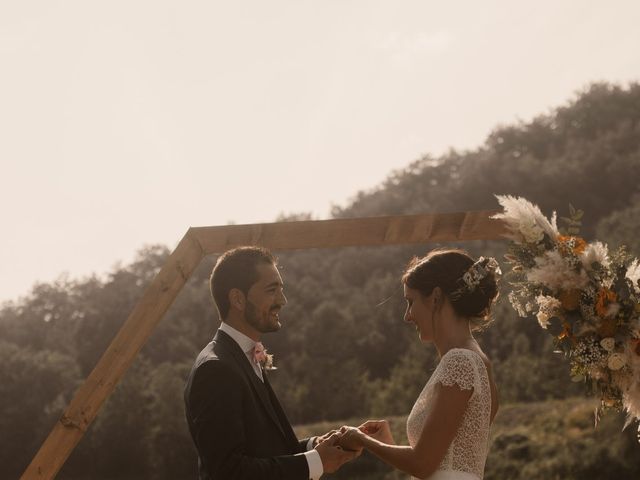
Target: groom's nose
[[282, 300]]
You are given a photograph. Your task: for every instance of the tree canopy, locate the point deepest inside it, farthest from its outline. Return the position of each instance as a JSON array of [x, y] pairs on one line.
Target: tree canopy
[[344, 350]]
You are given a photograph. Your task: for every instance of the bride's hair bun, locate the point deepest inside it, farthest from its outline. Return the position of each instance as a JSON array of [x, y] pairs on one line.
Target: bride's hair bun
[[471, 296]]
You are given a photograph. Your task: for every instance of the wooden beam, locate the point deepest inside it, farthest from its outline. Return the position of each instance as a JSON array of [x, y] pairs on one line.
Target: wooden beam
[[119, 355], [201, 241], [371, 231]]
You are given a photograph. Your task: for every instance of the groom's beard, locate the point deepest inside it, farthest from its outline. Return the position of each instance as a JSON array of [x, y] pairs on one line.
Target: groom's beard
[[259, 323]]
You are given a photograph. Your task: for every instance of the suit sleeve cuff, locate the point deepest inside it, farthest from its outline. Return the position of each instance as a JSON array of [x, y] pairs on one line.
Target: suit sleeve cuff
[[315, 464], [310, 443]]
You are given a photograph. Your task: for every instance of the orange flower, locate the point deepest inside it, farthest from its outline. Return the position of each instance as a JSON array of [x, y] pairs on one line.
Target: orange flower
[[571, 245], [566, 333], [605, 298]]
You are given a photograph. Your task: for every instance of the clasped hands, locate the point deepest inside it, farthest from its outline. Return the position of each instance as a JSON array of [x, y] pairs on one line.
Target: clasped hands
[[340, 446]]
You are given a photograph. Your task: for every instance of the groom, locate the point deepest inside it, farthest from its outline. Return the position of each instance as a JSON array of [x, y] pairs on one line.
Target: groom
[[237, 424]]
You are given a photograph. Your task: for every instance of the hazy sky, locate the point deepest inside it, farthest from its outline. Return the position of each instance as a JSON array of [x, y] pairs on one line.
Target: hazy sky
[[123, 123]]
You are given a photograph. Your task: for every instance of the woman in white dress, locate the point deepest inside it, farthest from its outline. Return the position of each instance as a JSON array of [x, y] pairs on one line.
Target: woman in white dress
[[448, 296]]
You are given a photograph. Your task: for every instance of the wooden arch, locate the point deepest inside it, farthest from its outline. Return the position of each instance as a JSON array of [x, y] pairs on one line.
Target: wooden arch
[[199, 242]]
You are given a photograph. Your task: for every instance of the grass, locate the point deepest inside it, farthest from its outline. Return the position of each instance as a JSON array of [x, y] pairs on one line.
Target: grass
[[549, 440]]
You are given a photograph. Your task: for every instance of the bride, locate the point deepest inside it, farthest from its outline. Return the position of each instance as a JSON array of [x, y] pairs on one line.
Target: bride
[[448, 296]]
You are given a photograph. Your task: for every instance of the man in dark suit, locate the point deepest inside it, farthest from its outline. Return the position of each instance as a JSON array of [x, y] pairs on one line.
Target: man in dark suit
[[237, 424]]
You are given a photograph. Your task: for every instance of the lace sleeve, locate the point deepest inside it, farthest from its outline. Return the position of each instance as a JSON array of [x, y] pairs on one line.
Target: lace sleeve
[[456, 368]]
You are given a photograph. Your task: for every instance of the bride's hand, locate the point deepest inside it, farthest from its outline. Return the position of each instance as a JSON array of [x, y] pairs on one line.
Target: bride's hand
[[378, 429], [322, 438], [350, 438]]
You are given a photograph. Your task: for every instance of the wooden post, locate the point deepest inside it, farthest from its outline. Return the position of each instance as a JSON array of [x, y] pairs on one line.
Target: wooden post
[[201, 241], [119, 355]]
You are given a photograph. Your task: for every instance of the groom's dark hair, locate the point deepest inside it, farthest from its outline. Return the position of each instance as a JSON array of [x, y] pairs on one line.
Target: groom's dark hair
[[236, 269]]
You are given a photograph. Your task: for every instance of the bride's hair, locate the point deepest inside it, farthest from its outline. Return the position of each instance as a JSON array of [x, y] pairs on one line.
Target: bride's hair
[[445, 268]]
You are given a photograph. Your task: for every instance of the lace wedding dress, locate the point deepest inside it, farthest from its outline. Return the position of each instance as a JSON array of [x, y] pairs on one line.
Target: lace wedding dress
[[468, 451]]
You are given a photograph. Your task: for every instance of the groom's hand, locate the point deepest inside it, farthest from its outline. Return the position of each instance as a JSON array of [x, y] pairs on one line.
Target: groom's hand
[[322, 438], [332, 455]]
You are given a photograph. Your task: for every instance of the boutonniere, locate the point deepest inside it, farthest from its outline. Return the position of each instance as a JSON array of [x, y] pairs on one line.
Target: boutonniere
[[262, 358]]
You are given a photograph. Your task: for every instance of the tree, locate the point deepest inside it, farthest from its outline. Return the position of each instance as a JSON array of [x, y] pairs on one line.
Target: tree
[[34, 387]]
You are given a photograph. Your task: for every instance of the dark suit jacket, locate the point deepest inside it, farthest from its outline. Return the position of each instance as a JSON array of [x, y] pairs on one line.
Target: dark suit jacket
[[236, 421]]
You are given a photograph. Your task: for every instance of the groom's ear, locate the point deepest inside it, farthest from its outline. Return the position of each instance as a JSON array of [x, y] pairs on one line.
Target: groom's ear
[[237, 299]]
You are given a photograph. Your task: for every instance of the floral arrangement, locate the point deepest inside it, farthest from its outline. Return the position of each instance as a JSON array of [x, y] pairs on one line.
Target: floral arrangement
[[262, 357], [586, 297]]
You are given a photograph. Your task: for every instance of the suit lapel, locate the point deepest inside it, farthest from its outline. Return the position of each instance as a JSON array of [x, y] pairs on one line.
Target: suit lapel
[[284, 421], [258, 387]]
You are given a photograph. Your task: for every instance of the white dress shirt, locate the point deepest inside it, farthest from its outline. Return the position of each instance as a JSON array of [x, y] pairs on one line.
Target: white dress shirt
[[247, 345]]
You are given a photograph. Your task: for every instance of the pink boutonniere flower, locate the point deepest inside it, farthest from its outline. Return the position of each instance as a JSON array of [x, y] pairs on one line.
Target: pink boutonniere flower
[[262, 358]]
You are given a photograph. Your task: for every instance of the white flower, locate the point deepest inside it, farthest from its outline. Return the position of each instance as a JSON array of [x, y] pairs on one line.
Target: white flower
[[531, 232], [608, 344], [633, 273], [543, 319], [524, 220], [616, 361], [549, 307], [553, 271], [596, 252], [548, 303], [268, 363]]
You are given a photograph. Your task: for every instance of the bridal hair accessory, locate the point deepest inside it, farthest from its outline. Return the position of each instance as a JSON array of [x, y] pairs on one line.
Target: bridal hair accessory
[[479, 270], [262, 358], [585, 297]]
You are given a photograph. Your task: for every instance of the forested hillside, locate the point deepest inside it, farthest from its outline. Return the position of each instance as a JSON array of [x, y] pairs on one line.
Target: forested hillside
[[343, 351]]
